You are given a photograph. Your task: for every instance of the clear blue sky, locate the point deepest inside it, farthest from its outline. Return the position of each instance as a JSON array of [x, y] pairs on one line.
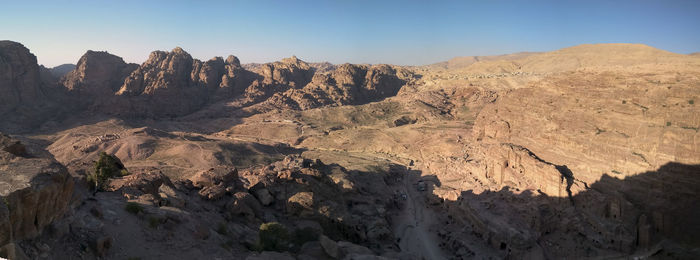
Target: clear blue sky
[[356, 31]]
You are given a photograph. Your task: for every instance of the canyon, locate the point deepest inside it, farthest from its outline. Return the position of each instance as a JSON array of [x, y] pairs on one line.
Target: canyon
[[590, 151]]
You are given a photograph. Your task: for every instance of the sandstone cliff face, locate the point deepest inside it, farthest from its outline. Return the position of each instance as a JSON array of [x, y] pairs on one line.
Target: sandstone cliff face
[[616, 123], [29, 94], [235, 78], [169, 84], [348, 84], [98, 74], [34, 191], [20, 84]]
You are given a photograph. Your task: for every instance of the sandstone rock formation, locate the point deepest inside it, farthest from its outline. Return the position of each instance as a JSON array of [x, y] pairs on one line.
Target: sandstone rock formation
[[98, 75], [34, 191], [585, 152], [169, 84], [347, 84]]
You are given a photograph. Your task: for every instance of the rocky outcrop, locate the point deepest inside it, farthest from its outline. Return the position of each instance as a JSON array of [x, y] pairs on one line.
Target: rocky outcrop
[[235, 78], [20, 83], [34, 191], [289, 71], [168, 84], [348, 84], [597, 122], [97, 75]]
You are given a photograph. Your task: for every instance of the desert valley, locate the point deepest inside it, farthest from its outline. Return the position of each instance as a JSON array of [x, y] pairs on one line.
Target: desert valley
[[590, 151]]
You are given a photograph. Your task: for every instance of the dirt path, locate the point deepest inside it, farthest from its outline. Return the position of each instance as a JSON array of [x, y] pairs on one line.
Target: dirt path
[[412, 225]]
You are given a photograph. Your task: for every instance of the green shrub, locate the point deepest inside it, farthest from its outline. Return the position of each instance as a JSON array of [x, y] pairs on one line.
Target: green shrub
[[221, 229], [106, 167], [668, 123], [133, 208], [691, 101], [273, 236], [154, 222]]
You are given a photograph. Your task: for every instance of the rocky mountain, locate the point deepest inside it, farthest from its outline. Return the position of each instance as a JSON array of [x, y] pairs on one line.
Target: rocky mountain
[[29, 95], [20, 83], [347, 84], [61, 70], [97, 75], [584, 152]]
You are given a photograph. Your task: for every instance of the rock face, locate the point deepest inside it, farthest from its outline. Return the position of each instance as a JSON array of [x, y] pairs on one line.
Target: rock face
[[34, 191], [348, 84], [170, 84], [98, 75], [235, 78], [618, 123], [24, 100], [19, 77]]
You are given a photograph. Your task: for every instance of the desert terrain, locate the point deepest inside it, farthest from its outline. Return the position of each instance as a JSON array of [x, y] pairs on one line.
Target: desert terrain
[[587, 152]]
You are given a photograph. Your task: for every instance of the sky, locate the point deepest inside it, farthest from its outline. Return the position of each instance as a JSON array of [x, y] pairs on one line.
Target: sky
[[355, 31]]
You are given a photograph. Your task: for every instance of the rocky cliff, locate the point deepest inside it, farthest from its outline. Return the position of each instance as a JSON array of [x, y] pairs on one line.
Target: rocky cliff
[[347, 84], [98, 74], [28, 97], [34, 189]]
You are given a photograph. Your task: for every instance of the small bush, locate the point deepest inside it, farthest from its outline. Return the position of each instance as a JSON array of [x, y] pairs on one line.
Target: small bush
[[691, 101], [668, 123], [221, 229], [154, 222], [106, 167], [273, 236], [133, 208]]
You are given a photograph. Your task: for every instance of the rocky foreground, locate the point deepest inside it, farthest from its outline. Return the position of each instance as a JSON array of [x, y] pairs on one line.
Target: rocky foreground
[[585, 152]]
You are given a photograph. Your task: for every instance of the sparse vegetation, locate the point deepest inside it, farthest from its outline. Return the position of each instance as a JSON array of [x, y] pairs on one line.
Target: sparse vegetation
[[616, 172], [641, 106], [133, 208], [691, 101], [668, 123], [106, 167], [154, 222], [690, 128], [624, 101], [221, 229], [273, 236]]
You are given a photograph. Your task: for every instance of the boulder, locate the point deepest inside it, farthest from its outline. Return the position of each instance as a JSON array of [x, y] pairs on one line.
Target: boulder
[[244, 204], [330, 247], [264, 196], [170, 196], [213, 192], [301, 203], [214, 176], [34, 191]]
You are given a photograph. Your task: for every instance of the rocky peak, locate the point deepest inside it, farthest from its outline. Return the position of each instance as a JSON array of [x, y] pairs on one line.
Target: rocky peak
[[233, 61], [20, 82], [162, 70], [289, 71], [98, 73]]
